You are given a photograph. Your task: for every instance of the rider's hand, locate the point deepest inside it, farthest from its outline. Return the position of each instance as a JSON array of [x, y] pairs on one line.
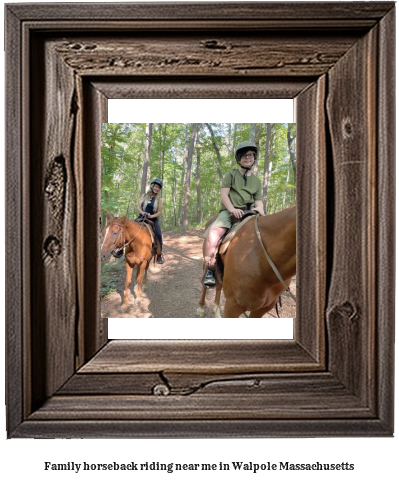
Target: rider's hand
[[237, 213]]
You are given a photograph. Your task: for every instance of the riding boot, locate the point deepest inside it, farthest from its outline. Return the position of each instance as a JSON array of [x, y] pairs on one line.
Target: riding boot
[[210, 277], [158, 249]]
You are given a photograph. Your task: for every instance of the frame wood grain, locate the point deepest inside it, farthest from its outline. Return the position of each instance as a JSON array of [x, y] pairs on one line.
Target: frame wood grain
[[64, 378]]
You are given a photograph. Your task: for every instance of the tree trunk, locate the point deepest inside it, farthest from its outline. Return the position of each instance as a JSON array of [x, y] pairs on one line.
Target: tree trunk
[[162, 168], [217, 152], [163, 151], [268, 164], [183, 175], [254, 137], [252, 132], [232, 142], [188, 175], [291, 138], [148, 143], [286, 188], [174, 194], [198, 174]]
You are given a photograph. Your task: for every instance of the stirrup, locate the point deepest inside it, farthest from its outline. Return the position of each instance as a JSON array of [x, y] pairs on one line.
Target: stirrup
[[209, 279]]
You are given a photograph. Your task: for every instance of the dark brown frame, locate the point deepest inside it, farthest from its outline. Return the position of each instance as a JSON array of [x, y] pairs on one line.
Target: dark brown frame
[[336, 377]]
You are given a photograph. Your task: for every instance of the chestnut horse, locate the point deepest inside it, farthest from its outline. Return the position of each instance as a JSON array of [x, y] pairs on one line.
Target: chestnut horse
[[249, 282], [120, 233]]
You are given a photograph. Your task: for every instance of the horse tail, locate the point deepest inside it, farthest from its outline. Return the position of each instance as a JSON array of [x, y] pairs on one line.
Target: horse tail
[[279, 302]]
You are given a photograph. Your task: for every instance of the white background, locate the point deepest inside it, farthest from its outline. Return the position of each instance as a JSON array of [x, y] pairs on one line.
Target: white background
[[375, 459], [200, 111]]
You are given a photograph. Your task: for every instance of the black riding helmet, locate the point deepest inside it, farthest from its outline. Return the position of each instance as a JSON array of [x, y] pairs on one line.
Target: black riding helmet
[[242, 148], [156, 181]]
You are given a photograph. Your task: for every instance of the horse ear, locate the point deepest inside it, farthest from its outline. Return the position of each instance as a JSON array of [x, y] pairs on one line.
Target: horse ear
[[124, 218], [109, 216]]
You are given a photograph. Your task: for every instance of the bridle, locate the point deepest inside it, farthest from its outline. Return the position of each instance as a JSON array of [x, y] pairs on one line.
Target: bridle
[[125, 244], [270, 260]]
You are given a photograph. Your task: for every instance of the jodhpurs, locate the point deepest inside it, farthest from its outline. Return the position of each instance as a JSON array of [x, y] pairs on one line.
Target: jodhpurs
[[158, 233]]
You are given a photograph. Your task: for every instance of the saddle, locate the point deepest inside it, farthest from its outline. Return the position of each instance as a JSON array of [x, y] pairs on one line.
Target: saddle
[[246, 214], [231, 232], [224, 242], [145, 220], [237, 223], [150, 226]]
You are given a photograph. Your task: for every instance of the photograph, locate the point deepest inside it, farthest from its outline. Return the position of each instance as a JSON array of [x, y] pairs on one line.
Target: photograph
[[198, 220]]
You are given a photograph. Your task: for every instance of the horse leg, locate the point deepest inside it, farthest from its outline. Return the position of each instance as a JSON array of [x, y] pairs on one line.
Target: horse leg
[[200, 310], [129, 272], [140, 273], [232, 309], [145, 274], [216, 308]]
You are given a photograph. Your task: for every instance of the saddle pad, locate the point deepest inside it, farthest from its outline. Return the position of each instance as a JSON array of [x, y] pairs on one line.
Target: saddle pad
[[231, 234], [151, 230]]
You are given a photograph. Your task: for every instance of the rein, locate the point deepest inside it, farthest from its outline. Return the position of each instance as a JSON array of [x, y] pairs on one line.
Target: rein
[[270, 260]]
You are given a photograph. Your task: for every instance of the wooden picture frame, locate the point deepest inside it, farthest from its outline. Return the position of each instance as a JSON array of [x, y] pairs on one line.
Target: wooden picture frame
[[335, 378]]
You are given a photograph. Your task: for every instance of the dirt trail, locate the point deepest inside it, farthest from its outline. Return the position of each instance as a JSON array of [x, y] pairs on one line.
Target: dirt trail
[[173, 289]]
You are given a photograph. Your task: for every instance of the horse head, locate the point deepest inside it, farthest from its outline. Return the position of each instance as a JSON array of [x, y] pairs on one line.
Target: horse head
[[113, 237]]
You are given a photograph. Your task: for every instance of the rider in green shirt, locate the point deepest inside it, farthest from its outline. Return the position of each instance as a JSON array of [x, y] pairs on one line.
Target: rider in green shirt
[[238, 187]]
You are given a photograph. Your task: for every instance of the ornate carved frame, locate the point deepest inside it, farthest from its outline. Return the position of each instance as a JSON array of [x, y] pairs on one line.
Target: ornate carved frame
[[64, 378]]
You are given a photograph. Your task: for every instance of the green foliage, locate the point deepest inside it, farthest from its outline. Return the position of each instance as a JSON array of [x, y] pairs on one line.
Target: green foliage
[[110, 273], [123, 154]]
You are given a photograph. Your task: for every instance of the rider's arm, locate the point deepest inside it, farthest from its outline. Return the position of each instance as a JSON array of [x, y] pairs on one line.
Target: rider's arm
[[259, 207], [227, 203], [226, 200]]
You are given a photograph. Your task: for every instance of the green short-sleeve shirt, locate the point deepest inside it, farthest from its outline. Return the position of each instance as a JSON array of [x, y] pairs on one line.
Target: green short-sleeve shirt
[[239, 193]]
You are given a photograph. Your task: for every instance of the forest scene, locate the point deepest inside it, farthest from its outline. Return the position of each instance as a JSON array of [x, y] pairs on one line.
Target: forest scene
[[191, 160]]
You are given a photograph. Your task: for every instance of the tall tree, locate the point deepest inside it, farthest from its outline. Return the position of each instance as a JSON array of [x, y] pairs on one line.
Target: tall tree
[[163, 150], [287, 181], [188, 174], [266, 175], [147, 157], [254, 131], [217, 152], [198, 174], [183, 175], [291, 139], [232, 142], [174, 190]]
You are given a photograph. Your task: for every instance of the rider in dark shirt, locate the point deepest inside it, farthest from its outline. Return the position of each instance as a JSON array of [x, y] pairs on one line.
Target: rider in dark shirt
[[150, 205]]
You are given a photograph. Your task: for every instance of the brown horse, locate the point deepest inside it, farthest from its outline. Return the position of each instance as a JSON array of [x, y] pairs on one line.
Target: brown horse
[[249, 282], [121, 233]]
